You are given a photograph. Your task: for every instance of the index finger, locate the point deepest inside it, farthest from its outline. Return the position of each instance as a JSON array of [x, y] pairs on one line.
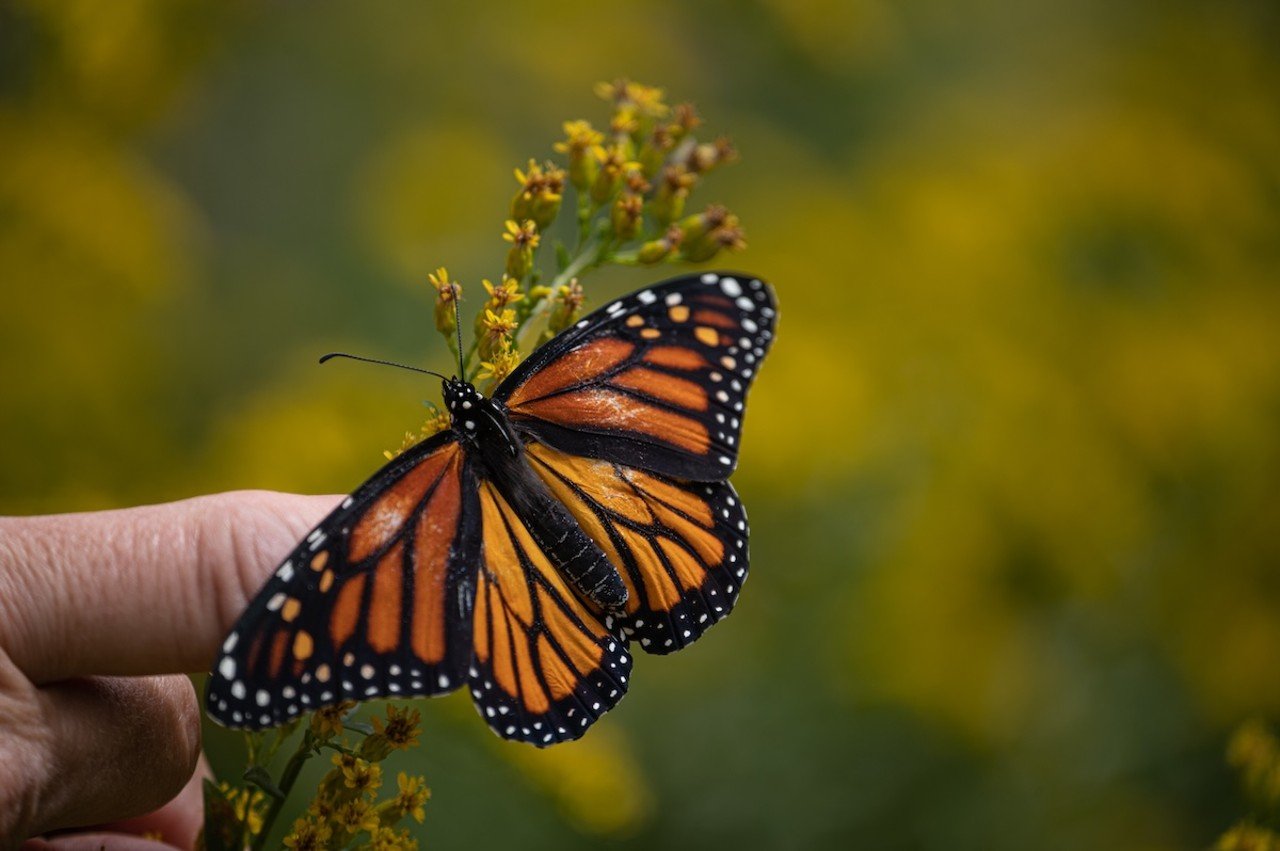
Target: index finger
[[148, 590]]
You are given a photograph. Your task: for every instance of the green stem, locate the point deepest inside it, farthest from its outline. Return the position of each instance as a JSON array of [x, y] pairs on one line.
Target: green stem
[[292, 769]]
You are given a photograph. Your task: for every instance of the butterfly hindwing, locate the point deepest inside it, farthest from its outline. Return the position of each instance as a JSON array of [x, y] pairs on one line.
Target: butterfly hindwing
[[375, 602], [681, 547], [656, 380], [545, 666]]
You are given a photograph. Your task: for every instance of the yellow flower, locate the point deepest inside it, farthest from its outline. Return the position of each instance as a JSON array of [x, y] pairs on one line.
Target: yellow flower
[[524, 239], [503, 294], [668, 202], [307, 835], [686, 120], [387, 839], [657, 250], [541, 190], [355, 816], [612, 163], [358, 774], [627, 216], [569, 301], [402, 727], [496, 330], [497, 325], [647, 100], [1248, 837], [580, 137], [502, 362], [447, 294], [414, 793], [580, 140], [523, 234], [327, 722], [446, 290]]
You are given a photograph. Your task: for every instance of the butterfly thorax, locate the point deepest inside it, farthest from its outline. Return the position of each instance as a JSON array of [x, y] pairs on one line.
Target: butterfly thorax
[[479, 422]]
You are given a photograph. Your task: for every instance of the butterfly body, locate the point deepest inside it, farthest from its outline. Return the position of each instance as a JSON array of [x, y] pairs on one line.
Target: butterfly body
[[483, 428], [581, 510]]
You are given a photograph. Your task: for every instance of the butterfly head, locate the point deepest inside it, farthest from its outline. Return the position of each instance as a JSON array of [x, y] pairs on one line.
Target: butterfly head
[[460, 398]]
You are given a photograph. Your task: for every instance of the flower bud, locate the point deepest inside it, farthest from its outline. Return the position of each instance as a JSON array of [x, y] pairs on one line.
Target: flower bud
[[627, 216], [580, 141]]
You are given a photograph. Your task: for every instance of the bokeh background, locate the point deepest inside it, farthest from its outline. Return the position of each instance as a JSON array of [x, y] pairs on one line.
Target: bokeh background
[[1013, 466]]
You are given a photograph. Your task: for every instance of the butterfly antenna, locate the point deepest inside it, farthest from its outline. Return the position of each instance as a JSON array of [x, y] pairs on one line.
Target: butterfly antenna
[[457, 324], [332, 355]]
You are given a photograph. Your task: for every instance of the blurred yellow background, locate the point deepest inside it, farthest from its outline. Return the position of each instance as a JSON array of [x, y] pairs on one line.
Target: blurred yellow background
[[1013, 467]]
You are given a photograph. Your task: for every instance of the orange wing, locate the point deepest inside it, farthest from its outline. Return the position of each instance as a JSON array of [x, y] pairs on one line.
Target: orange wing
[[375, 602], [544, 666], [656, 380], [680, 547]]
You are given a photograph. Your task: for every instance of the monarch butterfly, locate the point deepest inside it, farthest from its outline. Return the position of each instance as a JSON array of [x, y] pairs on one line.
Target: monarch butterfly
[[583, 508]]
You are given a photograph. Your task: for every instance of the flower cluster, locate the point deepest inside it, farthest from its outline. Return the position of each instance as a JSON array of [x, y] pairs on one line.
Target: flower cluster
[[631, 182], [353, 806], [1254, 751]]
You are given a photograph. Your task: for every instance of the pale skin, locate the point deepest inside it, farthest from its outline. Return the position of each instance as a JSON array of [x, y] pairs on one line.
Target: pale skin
[[101, 616]]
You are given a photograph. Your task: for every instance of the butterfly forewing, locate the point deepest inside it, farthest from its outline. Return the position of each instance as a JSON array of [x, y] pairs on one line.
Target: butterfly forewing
[[374, 602], [656, 380]]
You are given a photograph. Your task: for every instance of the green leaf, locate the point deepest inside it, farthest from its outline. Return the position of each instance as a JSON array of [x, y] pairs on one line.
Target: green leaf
[[258, 776]]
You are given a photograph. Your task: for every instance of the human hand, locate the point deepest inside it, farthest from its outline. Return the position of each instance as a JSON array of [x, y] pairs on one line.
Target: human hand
[[100, 616]]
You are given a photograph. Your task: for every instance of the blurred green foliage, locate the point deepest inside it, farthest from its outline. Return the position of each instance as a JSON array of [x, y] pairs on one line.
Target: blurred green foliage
[[1013, 468]]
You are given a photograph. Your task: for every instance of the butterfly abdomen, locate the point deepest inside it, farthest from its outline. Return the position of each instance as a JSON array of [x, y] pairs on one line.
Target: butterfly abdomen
[[555, 531]]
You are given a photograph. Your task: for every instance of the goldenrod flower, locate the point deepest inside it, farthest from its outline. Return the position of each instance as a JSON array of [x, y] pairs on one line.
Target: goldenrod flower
[[447, 294], [668, 202], [625, 121], [497, 329], [686, 120], [655, 251], [387, 839], [414, 793], [327, 722], [358, 774], [307, 835], [541, 190], [702, 158], [627, 216], [647, 100], [524, 238], [569, 301], [730, 235], [503, 294], [402, 727], [501, 363], [611, 163], [580, 139], [355, 816], [708, 232]]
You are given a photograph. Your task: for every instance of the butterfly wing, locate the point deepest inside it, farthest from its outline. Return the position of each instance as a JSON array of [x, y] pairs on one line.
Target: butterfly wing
[[656, 380], [680, 547], [545, 665], [375, 602]]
